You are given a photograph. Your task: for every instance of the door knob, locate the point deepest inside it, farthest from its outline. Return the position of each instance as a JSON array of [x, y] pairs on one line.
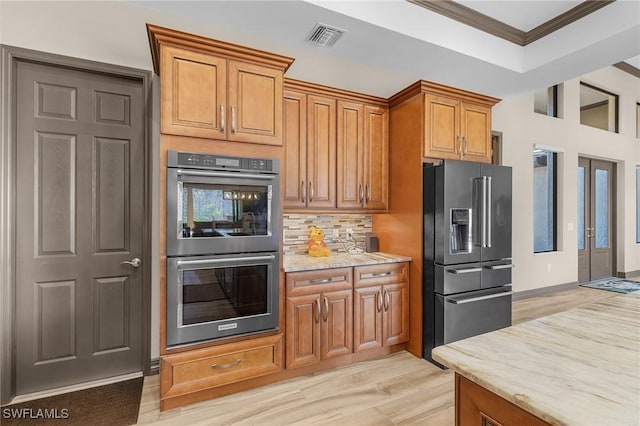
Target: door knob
[[135, 262]]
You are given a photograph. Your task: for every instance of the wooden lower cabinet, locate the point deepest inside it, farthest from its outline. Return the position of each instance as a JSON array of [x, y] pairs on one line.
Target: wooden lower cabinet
[[477, 406], [319, 316], [202, 369], [381, 305]]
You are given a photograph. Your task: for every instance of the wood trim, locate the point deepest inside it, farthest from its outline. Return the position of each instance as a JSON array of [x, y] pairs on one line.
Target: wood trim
[[628, 274], [424, 86], [160, 35], [10, 55], [497, 28], [626, 67], [319, 89], [544, 291]]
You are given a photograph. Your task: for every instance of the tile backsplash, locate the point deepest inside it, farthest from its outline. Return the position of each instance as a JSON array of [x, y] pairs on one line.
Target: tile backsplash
[[296, 231]]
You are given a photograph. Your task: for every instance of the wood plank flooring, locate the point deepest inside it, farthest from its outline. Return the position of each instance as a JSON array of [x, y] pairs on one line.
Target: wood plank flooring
[[394, 390]]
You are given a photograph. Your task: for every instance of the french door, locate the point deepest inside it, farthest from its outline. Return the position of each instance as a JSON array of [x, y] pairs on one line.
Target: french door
[[596, 222]]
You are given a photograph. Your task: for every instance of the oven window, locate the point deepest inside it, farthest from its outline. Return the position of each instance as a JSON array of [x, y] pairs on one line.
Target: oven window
[[210, 210], [216, 294]]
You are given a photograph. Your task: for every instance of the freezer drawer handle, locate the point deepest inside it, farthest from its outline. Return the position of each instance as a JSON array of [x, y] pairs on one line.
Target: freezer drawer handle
[[477, 299], [223, 260], [496, 267], [464, 271]]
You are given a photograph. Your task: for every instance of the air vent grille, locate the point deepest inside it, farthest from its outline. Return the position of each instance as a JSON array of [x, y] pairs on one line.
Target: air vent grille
[[324, 35]]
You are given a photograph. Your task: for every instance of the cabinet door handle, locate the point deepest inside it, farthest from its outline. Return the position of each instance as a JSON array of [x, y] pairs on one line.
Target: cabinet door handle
[[222, 118], [360, 193], [466, 144], [386, 300], [233, 120], [367, 191], [317, 310], [326, 309], [379, 300], [223, 366], [304, 192], [310, 192]]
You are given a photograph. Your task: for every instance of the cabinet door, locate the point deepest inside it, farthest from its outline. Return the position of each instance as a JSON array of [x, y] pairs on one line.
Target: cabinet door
[[395, 318], [367, 318], [476, 133], [441, 128], [321, 151], [294, 167], [193, 93], [255, 104], [350, 142], [376, 157], [303, 330], [337, 323]]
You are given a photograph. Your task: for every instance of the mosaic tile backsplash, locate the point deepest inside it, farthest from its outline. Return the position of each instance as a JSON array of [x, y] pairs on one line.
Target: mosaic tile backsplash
[[296, 231]]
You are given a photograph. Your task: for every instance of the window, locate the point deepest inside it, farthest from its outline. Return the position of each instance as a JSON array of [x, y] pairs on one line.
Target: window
[[598, 108], [545, 101], [638, 204], [544, 200]]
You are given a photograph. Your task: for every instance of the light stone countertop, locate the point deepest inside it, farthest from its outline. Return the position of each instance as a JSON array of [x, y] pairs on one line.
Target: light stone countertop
[[296, 262], [577, 367]]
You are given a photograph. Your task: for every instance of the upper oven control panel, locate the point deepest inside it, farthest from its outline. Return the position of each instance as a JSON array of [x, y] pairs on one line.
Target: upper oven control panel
[[220, 162]]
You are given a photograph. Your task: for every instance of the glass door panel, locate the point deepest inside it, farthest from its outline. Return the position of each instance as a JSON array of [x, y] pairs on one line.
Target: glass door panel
[[602, 208]]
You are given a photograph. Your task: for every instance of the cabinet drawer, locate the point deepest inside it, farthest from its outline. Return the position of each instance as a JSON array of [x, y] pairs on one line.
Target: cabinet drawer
[[385, 273], [206, 368], [317, 281]]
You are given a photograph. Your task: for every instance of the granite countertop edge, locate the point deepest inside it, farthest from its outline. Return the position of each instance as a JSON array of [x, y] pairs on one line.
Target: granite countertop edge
[[297, 262]]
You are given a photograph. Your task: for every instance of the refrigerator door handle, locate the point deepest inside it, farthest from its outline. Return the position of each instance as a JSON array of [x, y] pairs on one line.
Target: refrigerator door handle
[[488, 213], [496, 267], [479, 298], [483, 212], [464, 271]]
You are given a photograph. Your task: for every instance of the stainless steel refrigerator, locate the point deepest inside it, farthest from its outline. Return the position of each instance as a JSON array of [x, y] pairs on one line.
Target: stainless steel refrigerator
[[467, 251]]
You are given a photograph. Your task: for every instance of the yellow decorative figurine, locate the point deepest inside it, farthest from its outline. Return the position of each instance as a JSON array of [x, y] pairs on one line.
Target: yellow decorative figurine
[[317, 246]]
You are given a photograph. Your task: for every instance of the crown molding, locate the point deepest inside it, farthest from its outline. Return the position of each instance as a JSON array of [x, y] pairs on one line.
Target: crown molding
[[492, 26]]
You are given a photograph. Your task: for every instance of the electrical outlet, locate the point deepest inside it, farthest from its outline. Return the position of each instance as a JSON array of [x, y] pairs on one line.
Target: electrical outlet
[[548, 267]]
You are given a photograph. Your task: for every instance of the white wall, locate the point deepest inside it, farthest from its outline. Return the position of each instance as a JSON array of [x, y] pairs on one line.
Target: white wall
[[522, 128]]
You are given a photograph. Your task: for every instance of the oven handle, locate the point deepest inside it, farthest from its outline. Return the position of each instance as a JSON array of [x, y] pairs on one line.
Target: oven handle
[[182, 172], [225, 260], [479, 298]]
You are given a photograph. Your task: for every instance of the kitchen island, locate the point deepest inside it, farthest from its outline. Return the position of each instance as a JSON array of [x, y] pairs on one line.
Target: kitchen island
[[577, 367]]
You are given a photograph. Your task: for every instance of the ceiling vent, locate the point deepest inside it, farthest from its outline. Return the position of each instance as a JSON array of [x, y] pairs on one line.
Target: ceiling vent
[[324, 35]]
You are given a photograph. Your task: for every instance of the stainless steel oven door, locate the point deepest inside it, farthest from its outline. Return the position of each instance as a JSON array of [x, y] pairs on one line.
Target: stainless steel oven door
[[210, 297], [212, 212]]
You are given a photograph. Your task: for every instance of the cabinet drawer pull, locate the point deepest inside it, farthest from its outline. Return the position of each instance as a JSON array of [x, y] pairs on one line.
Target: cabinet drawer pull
[[223, 366], [222, 117], [321, 281], [233, 120], [326, 309], [386, 299], [381, 274], [317, 310]]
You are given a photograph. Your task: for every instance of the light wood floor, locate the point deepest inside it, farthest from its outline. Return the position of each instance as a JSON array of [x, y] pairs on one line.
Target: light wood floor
[[396, 389]]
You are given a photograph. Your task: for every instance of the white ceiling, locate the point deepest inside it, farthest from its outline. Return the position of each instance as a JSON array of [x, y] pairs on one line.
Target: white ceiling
[[390, 44]]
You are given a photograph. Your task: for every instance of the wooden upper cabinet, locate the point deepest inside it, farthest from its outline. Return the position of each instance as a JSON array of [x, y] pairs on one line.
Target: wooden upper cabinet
[[321, 152], [376, 157], [217, 90], [362, 156], [255, 103], [475, 125], [193, 90], [442, 128], [294, 167]]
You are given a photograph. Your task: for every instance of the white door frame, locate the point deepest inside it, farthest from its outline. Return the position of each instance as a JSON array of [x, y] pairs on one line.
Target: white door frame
[[9, 56]]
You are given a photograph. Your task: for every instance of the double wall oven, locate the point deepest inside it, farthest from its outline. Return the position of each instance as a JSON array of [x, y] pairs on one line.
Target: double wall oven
[[223, 217]]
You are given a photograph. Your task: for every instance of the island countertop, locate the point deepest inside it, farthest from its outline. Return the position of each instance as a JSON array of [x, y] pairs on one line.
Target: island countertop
[[577, 367], [294, 263]]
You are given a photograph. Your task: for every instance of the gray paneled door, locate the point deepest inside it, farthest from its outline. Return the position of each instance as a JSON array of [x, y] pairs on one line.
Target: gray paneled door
[[80, 213], [596, 220]]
